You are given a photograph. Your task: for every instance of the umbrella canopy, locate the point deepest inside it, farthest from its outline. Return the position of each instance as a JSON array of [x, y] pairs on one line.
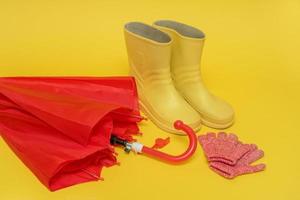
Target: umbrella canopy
[[60, 127]]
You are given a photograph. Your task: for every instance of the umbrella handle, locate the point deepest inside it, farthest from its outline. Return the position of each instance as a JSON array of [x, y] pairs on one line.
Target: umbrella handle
[[179, 125]]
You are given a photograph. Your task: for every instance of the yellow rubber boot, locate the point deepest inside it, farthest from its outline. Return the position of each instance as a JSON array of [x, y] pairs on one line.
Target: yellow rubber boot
[[149, 55], [186, 53]]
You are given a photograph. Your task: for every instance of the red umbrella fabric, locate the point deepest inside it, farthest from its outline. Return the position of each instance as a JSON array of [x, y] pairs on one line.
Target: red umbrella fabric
[[60, 127]]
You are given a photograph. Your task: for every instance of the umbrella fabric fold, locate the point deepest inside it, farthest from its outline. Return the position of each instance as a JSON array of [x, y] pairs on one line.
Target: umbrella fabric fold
[[60, 127]]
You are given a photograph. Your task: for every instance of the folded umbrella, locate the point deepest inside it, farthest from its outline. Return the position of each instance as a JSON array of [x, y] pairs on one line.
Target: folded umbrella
[[61, 127]]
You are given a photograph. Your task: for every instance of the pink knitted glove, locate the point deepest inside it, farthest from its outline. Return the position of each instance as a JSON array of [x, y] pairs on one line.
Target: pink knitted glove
[[242, 166], [223, 148]]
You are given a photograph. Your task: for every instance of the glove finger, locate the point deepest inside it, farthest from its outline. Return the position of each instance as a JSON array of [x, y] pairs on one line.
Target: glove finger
[[258, 167], [232, 137], [202, 139], [205, 139], [254, 156], [241, 151], [222, 135], [250, 169], [211, 135]]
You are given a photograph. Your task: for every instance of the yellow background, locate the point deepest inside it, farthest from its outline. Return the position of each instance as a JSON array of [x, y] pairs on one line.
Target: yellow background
[[251, 58]]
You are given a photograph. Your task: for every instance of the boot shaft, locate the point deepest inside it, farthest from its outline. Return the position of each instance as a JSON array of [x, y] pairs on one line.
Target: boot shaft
[[187, 46], [149, 51]]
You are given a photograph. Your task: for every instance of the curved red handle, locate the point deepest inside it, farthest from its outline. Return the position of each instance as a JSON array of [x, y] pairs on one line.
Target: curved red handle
[[179, 125]]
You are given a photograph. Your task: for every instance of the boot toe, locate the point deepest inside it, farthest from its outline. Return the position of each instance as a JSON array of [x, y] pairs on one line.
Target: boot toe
[[220, 115]]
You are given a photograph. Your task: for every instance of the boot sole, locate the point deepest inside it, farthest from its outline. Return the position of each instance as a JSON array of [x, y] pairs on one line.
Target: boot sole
[[216, 125]]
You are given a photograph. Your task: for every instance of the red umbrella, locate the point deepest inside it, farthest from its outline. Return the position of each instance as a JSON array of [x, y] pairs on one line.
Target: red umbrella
[[61, 127]]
